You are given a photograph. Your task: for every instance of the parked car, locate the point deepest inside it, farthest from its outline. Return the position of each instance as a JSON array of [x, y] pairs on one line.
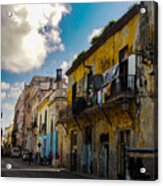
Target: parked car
[[25, 155], [15, 152]]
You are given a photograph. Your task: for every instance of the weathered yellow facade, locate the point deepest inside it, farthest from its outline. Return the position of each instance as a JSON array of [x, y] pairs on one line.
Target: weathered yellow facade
[[112, 139], [107, 54]]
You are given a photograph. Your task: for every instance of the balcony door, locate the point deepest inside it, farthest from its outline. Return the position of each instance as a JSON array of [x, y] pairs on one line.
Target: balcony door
[[123, 71], [123, 75]]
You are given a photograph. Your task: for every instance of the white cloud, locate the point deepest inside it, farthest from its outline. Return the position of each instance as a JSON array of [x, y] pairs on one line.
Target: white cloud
[[3, 95], [15, 90], [10, 97], [64, 66], [30, 34], [67, 64], [8, 106], [75, 56], [5, 86], [95, 32]]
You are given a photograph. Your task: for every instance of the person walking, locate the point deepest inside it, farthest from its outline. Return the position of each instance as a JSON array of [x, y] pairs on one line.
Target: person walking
[[30, 157]]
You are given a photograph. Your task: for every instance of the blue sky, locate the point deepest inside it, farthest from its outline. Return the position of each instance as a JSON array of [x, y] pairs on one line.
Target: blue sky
[[75, 25]]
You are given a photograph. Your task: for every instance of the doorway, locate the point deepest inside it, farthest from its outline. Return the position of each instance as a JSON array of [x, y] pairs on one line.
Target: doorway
[[73, 156], [88, 152], [123, 140], [104, 139]]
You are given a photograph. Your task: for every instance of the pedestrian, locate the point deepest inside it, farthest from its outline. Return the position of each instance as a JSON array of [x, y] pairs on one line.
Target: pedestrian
[[50, 158], [57, 159], [30, 157]]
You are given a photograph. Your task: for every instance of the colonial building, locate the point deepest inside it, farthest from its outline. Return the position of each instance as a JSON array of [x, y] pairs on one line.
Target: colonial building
[[49, 134], [17, 136], [38, 88], [25, 115], [111, 116]]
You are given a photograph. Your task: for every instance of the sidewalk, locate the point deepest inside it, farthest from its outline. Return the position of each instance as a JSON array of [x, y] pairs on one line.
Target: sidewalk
[[83, 175]]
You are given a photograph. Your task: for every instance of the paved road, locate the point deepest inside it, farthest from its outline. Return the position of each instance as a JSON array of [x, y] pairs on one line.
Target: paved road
[[23, 169]]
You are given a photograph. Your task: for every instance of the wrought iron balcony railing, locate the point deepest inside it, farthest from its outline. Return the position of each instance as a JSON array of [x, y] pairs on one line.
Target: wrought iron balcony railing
[[79, 105], [124, 85], [59, 93]]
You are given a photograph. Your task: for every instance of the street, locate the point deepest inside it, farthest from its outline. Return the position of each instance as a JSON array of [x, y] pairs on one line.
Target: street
[[23, 169]]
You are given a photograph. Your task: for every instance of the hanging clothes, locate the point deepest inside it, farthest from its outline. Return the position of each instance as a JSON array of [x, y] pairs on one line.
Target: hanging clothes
[[132, 64], [99, 97], [110, 74]]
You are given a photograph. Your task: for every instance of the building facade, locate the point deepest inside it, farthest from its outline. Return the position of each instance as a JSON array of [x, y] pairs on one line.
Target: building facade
[[112, 101], [50, 135], [17, 136]]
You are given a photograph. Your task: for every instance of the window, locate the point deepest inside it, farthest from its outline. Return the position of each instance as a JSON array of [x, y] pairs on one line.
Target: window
[[40, 123]]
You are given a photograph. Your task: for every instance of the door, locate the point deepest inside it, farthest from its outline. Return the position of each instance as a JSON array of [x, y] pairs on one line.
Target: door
[[104, 169], [123, 75], [124, 139], [106, 160], [88, 143], [74, 151], [123, 55]]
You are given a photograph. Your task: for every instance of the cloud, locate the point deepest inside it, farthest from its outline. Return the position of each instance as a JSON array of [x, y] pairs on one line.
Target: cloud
[[5, 86], [64, 66], [8, 106], [95, 32], [67, 64], [15, 90], [29, 34], [3, 95], [9, 98]]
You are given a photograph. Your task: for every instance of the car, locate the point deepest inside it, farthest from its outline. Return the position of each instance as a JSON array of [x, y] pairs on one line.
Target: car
[[25, 155], [15, 152]]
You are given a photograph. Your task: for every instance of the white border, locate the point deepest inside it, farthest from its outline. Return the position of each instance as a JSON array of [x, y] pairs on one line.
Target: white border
[[49, 182]]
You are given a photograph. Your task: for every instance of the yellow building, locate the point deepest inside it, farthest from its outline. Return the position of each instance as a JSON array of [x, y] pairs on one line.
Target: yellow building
[[111, 101], [51, 136]]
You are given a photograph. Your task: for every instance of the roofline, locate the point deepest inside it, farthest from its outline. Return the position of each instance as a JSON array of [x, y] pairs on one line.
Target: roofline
[[107, 34]]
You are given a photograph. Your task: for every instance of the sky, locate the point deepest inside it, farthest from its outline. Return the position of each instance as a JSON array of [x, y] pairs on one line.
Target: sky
[[36, 39]]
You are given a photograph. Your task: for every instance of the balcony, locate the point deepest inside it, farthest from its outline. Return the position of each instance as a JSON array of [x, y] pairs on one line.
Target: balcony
[[79, 105], [59, 93], [122, 88]]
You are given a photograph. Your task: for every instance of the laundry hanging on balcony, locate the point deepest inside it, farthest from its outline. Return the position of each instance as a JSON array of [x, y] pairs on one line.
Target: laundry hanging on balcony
[[110, 74], [99, 98]]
